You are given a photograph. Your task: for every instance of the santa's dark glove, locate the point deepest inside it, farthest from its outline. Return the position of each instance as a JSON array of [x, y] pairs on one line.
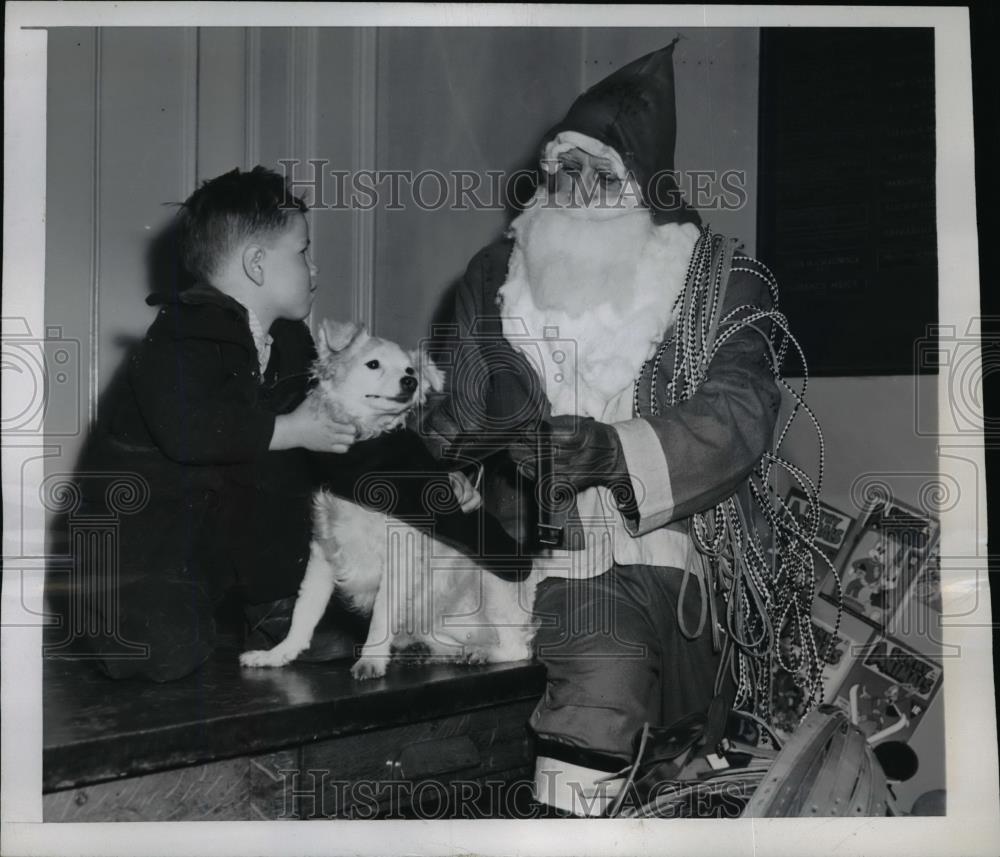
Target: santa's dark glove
[[585, 452]]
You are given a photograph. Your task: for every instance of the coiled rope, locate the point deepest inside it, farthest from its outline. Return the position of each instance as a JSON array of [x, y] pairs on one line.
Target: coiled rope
[[765, 575]]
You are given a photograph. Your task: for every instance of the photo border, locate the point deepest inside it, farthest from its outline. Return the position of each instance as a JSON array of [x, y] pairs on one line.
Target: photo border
[[973, 823]]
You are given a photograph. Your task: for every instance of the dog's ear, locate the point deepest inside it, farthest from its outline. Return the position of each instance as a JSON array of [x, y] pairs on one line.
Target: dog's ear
[[339, 335], [431, 378]]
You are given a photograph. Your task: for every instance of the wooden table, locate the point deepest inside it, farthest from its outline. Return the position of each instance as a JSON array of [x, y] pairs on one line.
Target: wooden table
[[306, 741]]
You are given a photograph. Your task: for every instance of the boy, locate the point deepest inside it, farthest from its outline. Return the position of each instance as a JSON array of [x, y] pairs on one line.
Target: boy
[[210, 416]]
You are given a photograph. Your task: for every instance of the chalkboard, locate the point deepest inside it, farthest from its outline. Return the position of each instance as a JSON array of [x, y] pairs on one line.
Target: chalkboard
[[846, 216]]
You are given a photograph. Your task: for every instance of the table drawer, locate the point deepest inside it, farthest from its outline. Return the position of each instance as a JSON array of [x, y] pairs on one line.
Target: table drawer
[[390, 772], [241, 789]]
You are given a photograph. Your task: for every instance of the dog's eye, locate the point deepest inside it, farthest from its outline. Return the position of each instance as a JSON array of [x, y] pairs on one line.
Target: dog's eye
[[372, 364], [409, 370]]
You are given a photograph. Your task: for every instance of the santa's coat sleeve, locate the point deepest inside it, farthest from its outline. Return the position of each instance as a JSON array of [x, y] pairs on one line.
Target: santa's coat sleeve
[[695, 454], [479, 349]]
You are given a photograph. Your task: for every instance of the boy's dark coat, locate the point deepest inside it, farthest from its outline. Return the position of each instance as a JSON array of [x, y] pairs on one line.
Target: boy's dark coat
[[193, 419]]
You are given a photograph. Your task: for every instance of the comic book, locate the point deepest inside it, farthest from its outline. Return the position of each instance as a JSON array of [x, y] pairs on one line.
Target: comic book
[[889, 686], [832, 525], [880, 558]]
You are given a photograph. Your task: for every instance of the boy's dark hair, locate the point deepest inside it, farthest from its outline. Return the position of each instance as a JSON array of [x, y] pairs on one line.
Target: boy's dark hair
[[230, 208]]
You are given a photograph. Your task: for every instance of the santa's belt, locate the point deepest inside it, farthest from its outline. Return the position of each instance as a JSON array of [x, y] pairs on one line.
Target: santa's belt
[[551, 522]]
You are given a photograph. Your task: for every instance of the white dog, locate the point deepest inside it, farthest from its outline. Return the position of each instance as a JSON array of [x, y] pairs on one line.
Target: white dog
[[418, 591]]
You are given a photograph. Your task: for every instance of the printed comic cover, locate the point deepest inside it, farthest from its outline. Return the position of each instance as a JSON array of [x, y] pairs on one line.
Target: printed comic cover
[[833, 524], [881, 557], [889, 687]]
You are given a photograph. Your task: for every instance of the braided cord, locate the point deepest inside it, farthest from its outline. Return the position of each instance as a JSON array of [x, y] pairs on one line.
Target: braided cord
[[767, 589]]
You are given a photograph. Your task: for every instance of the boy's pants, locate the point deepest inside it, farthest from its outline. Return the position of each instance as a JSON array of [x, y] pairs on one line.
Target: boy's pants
[[147, 609], [173, 618], [159, 628], [616, 658]]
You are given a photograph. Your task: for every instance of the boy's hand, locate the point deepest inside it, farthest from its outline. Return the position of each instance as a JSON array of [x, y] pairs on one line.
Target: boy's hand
[[312, 428], [466, 493]]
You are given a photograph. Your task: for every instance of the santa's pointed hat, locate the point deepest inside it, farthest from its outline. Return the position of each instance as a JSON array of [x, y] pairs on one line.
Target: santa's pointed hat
[[632, 113]]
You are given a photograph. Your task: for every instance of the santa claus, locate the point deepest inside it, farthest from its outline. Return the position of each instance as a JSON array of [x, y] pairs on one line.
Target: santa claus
[[641, 344]]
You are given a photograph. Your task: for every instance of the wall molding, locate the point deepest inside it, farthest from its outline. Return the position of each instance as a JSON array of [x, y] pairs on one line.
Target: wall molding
[[364, 158], [301, 75], [190, 75], [251, 97], [93, 375], [292, 106], [303, 56]]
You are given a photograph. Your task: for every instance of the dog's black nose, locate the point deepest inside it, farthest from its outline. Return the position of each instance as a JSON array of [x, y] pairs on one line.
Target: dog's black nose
[[408, 383]]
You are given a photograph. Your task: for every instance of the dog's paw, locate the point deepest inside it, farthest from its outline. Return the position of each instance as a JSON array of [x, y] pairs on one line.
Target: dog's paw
[[369, 667], [276, 657], [477, 656]]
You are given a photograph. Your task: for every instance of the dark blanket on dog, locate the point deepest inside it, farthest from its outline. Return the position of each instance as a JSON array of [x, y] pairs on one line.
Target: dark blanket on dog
[[396, 474]]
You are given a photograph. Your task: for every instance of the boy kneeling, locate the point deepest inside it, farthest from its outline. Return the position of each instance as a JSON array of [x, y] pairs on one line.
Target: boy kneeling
[[210, 418]]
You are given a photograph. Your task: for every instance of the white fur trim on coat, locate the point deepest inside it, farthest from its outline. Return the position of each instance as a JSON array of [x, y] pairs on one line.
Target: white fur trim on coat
[[647, 468]]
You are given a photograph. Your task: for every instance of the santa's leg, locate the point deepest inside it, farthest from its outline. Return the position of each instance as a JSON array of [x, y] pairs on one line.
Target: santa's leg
[[616, 659]]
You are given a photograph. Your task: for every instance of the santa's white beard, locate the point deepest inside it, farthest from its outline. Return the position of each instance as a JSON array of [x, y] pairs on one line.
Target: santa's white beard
[[588, 301], [575, 262]]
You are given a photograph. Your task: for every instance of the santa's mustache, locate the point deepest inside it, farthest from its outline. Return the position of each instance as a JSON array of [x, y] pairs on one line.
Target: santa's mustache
[[576, 259]]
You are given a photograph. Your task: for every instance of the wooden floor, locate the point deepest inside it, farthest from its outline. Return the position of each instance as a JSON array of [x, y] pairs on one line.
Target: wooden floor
[[299, 742]]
